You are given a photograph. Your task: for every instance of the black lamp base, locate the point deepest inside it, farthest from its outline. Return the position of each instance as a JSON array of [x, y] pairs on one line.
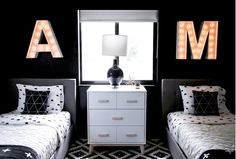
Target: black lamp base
[[115, 75], [115, 82]]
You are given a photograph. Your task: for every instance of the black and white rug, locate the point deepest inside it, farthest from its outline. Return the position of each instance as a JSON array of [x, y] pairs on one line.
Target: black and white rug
[[154, 148]]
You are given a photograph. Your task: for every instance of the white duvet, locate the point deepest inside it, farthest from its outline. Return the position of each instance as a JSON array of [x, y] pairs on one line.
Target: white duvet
[[196, 134], [43, 133]]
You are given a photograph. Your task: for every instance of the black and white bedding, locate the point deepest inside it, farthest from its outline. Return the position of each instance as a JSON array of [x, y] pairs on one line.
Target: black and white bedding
[[42, 133], [202, 137]]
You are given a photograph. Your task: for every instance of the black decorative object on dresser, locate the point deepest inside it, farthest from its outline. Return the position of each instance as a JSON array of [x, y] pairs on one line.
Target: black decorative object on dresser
[[115, 74]]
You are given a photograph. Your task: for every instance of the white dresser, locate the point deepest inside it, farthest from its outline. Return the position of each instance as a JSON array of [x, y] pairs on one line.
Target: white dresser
[[116, 117]]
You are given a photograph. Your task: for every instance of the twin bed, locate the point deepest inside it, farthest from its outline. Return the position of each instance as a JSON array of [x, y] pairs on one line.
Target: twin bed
[[198, 134], [42, 133]]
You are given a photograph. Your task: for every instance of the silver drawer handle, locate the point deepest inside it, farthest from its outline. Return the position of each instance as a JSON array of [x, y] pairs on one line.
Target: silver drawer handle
[[131, 135], [103, 101], [132, 101], [117, 118], [103, 135]]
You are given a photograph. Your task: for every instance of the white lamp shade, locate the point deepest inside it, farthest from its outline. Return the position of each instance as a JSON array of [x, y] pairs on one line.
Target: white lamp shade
[[114, 45]]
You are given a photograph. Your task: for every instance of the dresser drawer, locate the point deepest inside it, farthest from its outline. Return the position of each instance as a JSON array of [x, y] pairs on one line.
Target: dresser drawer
[[116, 117], [130, 134], [130, 101], [102, 134], [102, 100]]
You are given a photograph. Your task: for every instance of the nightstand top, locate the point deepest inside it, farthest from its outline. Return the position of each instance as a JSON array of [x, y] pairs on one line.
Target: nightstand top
[[121, 88]]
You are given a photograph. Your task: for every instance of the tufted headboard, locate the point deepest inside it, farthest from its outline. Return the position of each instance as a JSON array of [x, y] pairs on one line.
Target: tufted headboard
[[69, 92], [170, 86]]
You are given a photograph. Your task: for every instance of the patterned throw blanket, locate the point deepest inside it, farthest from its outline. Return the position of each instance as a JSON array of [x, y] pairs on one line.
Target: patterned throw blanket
[[217, 154], [17, 152]]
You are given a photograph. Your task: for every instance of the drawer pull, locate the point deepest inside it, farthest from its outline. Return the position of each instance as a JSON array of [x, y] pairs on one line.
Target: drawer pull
[[131, 135], [103, 135], [132, 101], [103, 101], [117, 118]]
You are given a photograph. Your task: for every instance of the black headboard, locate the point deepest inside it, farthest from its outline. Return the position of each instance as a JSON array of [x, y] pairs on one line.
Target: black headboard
[[69, 92], [170, 86]]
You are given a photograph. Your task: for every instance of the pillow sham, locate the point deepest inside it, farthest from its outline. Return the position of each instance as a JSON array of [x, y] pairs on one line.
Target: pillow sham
[[205, 103], [188, 101], [55, 101], [35, 102]]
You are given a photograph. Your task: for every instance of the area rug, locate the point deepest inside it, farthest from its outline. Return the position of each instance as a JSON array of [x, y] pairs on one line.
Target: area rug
[[154, 148]]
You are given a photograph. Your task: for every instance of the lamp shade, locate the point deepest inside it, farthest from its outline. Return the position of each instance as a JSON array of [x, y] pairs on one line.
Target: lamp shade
[[114, 45]]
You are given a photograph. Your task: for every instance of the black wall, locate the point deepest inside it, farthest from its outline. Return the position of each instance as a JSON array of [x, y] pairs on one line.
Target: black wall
[[18, 27]]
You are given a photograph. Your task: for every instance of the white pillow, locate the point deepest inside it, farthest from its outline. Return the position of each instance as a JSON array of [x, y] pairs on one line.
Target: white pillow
[[55, 100], [188, 100]]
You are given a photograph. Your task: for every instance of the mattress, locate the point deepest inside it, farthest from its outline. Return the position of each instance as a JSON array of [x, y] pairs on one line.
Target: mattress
[[198, 134], [43, 133]]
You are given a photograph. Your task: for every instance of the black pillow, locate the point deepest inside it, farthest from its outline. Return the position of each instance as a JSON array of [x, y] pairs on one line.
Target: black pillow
[[205, 103], [179, 100], [36, 102]]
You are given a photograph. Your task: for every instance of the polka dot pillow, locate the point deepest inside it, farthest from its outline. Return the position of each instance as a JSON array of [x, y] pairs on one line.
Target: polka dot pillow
[[188, 100], [55, 101]]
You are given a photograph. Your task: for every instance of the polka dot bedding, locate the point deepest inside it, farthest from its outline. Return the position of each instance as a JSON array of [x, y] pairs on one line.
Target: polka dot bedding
[[197, 134], [58, 121], [41, 138], [176, 119]]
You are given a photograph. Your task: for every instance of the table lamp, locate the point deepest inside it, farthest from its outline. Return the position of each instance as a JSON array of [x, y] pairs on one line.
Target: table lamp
[[114, 45]]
